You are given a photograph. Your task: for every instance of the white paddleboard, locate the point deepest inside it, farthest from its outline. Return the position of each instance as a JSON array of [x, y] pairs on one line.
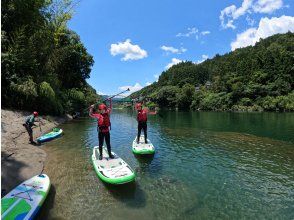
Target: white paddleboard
[[142, 147], [113, 171], [25, 200]]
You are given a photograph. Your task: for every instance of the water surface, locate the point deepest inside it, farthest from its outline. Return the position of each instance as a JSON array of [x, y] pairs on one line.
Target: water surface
[[207, 165]]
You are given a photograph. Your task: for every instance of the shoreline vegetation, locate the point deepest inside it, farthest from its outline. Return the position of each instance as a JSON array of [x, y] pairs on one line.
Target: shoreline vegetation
[[44, 68], [44, 64], [21, 160], [254, 78]]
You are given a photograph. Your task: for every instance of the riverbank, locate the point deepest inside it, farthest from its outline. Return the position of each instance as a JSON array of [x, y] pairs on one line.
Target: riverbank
[[21, 160]]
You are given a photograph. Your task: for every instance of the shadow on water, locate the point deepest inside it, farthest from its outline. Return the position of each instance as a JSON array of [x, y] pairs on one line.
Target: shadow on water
[[47, 206], [130, 194], [10, 168], [149, 165], [145, 163], [144, 159]]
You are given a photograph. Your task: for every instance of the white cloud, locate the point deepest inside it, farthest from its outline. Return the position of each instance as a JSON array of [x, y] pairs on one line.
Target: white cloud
[[148, 83], [156, 76], [173, 50], [128, 50], [204, 57], [205, 32], [190, 31], [133, 88], [250, 21], [231, 13], [193, 32], [100, 93], [266, 28], [267, 6], [174, 61], [169, 49], [229, 24]]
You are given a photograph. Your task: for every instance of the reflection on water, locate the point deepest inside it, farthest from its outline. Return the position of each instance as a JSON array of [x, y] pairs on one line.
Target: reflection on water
[[206, 166]]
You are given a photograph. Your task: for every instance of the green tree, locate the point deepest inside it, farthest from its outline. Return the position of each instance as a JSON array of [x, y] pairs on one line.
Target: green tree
[[185, 96], [254, 78]]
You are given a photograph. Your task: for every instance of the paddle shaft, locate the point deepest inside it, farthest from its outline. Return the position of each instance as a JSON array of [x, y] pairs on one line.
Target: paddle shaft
[[112, 97], [117, 94]]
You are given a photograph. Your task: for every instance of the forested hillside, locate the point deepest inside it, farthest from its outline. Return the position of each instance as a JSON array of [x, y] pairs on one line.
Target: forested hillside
[[44, 63], [255, 78]]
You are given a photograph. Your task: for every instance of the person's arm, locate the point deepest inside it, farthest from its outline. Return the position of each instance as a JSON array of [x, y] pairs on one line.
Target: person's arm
[[39, 121], [150, 112], [91, 110], [91, 114]]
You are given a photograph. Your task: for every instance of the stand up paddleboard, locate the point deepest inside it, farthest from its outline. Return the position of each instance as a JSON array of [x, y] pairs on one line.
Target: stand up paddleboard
[[56, 132], [113, 171], [141, 147], [24, 201]]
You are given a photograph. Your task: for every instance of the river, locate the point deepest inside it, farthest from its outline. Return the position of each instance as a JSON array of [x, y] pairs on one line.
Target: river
[[207, 165]]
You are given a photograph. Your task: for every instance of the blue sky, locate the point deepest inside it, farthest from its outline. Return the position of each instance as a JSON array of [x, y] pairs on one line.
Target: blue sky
[[134, 41]]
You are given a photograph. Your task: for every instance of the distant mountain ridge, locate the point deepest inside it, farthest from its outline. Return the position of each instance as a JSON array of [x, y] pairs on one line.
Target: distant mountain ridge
[[254, 78]]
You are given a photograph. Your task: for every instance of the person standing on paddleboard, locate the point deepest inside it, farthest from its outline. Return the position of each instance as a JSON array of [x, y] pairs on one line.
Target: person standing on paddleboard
[[142, 121], [29, 123], [103, 120]]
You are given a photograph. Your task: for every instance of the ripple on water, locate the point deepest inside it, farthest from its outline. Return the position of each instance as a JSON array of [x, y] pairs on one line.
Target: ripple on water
[[194, 174]]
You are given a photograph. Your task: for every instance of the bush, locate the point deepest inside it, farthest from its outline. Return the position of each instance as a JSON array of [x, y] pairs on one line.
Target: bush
[[211, 101], [24, 94], [245, 102], [185, 96], [166, 96], [45, 91], [151, 105], [278, 103], [48, 102]]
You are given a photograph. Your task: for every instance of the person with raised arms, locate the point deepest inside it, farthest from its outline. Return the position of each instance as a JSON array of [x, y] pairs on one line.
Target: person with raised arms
[[103, 126]]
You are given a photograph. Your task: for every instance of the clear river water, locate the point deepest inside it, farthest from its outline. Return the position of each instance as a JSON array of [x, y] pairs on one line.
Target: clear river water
[[207, 165]]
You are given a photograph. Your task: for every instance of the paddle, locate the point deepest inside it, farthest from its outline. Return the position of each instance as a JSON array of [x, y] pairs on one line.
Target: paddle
[[42, 169], [116, 94], [112, 97], [5, 158], [40, 126]]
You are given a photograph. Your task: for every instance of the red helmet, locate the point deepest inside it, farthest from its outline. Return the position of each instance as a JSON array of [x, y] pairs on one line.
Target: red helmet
[[138, 106], [102, 106], [35, 113]]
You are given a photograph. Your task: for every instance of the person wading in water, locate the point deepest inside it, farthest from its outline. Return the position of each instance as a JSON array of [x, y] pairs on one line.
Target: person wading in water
[[142, 121], [103, 120]]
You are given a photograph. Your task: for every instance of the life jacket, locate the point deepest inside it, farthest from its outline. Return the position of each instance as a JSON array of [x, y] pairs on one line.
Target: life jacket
[[104, 122], [142, 116]]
